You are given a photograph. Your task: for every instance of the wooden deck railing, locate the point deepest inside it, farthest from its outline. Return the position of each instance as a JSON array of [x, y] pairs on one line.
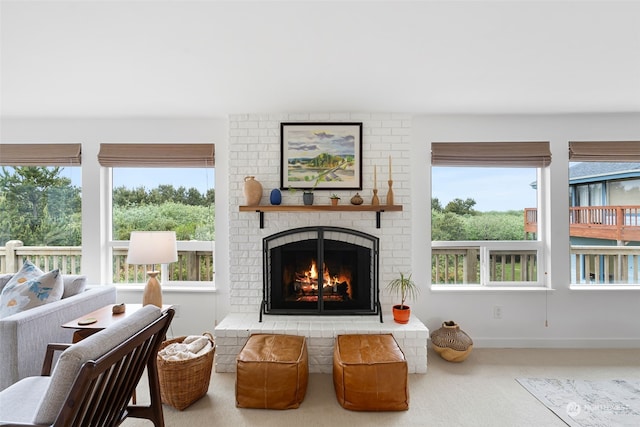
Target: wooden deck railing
[[589, 265], [605, 264], [462, 265], [619, 223], [192, 265]]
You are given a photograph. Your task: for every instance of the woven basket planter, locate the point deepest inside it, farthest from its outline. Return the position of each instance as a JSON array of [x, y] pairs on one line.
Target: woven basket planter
[[182, 382], [451, 343]]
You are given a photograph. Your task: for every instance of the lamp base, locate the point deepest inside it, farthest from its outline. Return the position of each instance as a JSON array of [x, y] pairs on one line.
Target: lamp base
[[152, 291]]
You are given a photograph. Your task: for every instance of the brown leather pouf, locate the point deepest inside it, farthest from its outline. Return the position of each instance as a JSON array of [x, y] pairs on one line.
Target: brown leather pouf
[[370, 373], [272, 372]]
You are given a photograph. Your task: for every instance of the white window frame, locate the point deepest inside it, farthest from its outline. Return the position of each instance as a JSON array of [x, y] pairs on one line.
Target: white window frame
[[486, 246], [164, 268], [111, 244]]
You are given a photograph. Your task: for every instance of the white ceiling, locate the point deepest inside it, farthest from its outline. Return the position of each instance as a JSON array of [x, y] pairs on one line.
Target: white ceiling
[[213, 58]]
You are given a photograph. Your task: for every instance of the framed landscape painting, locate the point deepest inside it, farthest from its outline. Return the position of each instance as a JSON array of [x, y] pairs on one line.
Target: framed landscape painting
[[325, 156]]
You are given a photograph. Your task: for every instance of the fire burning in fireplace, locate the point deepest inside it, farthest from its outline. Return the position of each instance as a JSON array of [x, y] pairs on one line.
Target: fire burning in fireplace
[[320, 270], [336, 286]]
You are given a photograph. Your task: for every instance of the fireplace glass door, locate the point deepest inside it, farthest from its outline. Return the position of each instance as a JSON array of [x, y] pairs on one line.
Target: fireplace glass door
[[321, 270]]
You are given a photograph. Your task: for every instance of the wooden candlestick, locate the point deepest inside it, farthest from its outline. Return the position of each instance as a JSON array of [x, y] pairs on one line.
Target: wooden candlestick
[[390, 193], [375, 201], [375, 177]]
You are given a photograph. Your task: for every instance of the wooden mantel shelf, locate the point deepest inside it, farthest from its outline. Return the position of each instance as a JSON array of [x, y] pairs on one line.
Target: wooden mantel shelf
[[261, 209], [321, 208]]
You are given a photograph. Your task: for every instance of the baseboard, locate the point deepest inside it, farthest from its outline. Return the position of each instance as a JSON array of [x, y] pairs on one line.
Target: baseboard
[[594, 343]]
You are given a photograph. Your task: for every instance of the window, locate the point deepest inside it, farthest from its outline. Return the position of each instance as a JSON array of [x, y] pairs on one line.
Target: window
[[604, 213], [162, 187], [40, 201], [485, 224]]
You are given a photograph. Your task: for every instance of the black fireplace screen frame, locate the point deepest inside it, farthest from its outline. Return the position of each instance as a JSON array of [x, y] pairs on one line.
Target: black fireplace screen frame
[[320, 233]]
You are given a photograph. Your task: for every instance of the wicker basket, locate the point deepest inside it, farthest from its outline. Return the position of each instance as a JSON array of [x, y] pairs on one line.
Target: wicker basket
[[182, 382]]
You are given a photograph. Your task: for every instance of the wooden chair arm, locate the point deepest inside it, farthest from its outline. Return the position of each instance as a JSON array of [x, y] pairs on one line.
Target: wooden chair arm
[[48, 357]]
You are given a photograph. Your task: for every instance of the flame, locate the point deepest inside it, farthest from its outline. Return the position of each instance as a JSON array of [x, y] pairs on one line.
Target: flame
[[313, 271], [308, 280]]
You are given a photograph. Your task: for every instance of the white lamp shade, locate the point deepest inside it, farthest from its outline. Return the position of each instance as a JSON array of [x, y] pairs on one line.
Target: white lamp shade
[[152, 247]]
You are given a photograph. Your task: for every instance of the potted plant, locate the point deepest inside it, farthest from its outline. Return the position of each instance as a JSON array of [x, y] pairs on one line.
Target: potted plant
[[334, 199], [307, 194], [407, 289], [307, 197]]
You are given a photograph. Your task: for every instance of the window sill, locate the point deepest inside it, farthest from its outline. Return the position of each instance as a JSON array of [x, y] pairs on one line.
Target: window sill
[[168, 288], [604, 287], [478, 288]]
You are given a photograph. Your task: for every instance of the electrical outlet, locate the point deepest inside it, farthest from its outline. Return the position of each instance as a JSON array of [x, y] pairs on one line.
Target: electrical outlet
[[497, 312], [176, 308]]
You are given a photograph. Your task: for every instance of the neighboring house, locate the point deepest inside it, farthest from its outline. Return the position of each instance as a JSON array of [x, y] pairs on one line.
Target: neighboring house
[[616, 188], [604, 211], [604, 184]]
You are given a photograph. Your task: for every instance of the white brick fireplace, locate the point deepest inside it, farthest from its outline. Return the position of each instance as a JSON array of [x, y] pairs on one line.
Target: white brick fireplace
[[254, 150]]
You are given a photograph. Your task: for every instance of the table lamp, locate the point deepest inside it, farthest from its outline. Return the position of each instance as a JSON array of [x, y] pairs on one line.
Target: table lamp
[[150, 248]]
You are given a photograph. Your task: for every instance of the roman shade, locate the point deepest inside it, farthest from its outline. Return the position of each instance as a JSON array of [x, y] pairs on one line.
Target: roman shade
[[604, 151], [157, 155], [40, 154], [491, 154]]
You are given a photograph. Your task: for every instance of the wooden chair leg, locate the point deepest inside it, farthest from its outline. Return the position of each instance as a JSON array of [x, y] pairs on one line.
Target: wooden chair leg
[[154, 392], [153, 412]]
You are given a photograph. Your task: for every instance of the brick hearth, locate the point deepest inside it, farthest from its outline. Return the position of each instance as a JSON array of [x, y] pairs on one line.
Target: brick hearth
[[234, 330]]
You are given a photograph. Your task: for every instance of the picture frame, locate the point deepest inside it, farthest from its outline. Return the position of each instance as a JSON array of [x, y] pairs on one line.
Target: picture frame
[[321, 156]]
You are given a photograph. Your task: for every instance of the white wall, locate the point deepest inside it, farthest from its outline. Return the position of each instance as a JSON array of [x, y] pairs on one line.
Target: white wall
[[575, 318]]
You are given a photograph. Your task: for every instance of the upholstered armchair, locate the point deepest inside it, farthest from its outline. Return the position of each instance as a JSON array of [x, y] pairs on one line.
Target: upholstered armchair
[[94, 379]]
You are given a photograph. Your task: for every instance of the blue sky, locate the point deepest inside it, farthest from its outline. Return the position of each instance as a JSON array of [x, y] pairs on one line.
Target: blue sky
[[200, 178], [493, 189]]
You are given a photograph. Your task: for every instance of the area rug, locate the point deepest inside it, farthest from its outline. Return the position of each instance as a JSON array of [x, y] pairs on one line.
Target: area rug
[[588, 403]]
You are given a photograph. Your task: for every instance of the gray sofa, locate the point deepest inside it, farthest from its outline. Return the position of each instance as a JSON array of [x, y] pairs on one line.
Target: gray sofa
[[24, 336]]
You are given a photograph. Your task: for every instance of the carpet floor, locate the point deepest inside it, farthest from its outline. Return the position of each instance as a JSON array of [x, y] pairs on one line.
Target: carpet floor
[[481, 391], [582, 403]]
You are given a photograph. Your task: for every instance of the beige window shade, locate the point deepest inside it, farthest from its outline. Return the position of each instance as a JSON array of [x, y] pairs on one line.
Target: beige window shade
[[491, 154], [604, 151], [157, 155], [40, 154]]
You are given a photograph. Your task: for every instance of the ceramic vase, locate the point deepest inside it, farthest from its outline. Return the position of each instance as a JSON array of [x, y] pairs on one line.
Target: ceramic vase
[[252, 191], [451, 342], [307, 199], [276, 197]]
